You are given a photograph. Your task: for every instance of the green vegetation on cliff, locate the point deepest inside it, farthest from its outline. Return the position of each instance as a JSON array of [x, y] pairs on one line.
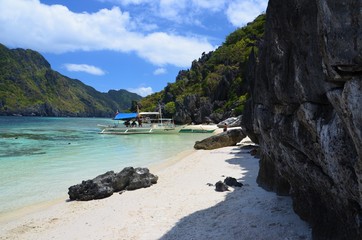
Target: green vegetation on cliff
[[211, 90], [214, 85], [29, 86]]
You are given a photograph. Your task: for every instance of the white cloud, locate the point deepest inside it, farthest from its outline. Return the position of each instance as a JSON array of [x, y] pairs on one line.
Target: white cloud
[[171, 9], [55, 29], [179, 11], [161, 48], [238, 12], [127, 2], [160, 71], [142, 91], [241, 12], [178, 4], [84, 68], [213, 5]]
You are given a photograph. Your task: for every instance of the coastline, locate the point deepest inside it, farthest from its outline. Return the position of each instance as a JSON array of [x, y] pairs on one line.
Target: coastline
[[180, 206]]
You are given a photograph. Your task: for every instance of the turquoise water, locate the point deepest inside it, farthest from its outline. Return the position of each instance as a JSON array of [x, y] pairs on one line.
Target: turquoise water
[[41, 157]]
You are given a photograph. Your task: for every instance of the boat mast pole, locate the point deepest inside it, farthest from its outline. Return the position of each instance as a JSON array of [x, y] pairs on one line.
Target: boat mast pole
[[138, 115], [160, 112]]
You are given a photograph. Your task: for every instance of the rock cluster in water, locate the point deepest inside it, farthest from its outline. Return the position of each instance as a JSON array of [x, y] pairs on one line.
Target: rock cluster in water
[[306, 111], [106, 184]]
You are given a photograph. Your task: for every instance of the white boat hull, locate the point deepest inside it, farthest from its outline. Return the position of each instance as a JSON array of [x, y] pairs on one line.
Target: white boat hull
[[139, 130]]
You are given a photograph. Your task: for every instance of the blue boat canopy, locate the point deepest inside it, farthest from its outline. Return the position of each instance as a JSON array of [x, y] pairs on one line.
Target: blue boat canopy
[[125, 116]]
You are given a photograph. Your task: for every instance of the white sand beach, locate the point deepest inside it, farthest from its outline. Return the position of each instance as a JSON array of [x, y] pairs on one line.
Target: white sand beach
[[180, 206]]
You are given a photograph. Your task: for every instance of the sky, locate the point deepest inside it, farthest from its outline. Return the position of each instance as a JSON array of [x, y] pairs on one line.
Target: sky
[[136, 45]]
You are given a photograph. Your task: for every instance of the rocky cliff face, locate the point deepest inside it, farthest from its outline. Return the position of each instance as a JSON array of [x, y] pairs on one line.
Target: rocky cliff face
[[212, 90], [306, 111]]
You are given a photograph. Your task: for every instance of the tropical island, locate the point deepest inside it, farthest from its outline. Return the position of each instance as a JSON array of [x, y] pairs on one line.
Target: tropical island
[[294, 74], [212, 90]]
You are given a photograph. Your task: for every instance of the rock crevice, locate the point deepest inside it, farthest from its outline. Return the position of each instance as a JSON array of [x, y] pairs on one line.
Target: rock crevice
[[305, 111]]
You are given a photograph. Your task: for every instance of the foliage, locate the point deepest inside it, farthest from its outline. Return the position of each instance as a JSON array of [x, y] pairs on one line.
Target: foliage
[[170, 108], [239, 108], [151, 102], [217, 76], [28, 86]]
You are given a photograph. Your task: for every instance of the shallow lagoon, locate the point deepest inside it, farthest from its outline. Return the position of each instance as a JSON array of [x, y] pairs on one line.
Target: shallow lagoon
[[41, 157]]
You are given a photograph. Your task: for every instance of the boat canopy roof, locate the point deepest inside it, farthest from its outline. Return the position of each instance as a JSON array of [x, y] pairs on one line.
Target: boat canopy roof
[[129, 116], [125, 116]]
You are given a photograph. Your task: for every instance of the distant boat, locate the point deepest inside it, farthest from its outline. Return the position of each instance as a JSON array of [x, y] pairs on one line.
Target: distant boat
[[198, 129], [140, 123]]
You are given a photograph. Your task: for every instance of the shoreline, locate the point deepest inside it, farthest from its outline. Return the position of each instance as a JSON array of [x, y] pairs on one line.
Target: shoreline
[[23, 211], [180, 205]]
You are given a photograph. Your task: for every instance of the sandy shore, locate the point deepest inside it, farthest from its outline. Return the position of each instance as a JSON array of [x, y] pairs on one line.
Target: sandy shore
[[180, 206]]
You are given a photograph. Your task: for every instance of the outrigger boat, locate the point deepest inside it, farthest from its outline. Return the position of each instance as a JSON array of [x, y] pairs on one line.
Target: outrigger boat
[[198, 129], [140, 123]]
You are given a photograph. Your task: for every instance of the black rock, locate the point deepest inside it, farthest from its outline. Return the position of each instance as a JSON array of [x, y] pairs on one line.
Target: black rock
[[106, 184], [141, 178], [221, 187], [232, 182], [123, 178], [89, 190]]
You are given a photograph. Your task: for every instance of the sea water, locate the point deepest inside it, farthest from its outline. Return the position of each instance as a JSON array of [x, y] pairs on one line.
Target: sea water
[[41, 157]]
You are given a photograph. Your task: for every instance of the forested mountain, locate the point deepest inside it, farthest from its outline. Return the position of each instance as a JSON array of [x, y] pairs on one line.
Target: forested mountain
[[214, 87], [211, 90], [28, 86]]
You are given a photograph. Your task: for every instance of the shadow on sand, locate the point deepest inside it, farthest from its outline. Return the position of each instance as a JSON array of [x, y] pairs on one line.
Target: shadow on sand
[[248, 212]]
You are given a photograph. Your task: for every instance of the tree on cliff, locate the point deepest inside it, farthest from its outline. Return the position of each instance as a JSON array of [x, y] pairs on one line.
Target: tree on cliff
[[214, 85]]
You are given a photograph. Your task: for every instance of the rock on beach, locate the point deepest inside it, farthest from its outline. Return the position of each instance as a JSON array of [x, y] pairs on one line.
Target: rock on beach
[[106, 184], [224, 139]]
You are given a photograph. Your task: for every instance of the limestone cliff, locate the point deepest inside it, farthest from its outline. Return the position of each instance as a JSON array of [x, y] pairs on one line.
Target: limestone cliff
[[212, 90], [306, 111]]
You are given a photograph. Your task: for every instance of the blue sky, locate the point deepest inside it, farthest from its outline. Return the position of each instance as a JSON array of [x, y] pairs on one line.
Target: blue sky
[[137, 45]]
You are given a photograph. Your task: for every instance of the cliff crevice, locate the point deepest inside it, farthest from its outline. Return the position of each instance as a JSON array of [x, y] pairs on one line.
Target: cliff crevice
[[305, 111]]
